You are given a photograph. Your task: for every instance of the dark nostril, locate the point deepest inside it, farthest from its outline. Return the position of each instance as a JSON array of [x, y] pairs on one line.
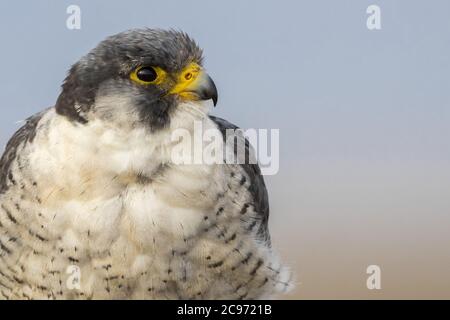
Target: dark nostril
[[188, 76]]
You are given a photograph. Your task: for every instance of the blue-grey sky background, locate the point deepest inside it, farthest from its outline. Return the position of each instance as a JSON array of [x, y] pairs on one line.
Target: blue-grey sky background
[[364, 119]]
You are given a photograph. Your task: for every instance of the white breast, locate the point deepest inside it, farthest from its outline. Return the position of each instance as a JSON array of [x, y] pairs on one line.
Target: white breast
[[115, 191], [111, 202]]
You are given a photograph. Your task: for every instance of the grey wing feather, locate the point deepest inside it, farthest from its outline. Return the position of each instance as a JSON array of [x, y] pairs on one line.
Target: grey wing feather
[[257, 187], [22, 136]]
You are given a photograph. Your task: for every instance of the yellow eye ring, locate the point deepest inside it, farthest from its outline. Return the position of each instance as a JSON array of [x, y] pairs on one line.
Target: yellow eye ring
[[146, 75]]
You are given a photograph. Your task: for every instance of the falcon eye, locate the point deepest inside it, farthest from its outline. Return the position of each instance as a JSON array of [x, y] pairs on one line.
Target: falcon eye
[[148, 75]]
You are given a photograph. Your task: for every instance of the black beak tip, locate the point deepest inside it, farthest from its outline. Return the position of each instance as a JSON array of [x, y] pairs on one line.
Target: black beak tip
[[212, 91]]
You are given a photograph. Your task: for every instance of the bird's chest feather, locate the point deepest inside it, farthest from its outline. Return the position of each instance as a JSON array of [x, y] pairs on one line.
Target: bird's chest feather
[[113, 208], [148, 234], [140, 213], [124, 186], [118, 212]]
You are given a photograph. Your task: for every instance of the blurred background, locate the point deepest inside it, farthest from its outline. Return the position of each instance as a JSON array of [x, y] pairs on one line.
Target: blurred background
[[364, 119]]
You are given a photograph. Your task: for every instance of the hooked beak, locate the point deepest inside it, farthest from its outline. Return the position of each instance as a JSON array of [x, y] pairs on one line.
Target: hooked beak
[[195, 84], [207, 89]]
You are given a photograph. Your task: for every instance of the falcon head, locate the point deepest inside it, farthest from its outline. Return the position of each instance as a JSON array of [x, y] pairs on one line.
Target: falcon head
[[137, 78]]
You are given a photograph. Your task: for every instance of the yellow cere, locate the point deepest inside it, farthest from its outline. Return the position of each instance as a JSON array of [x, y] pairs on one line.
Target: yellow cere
[[187, 80]]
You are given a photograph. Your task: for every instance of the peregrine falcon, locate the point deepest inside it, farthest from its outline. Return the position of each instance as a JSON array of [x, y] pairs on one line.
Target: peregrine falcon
[[89, 184]]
